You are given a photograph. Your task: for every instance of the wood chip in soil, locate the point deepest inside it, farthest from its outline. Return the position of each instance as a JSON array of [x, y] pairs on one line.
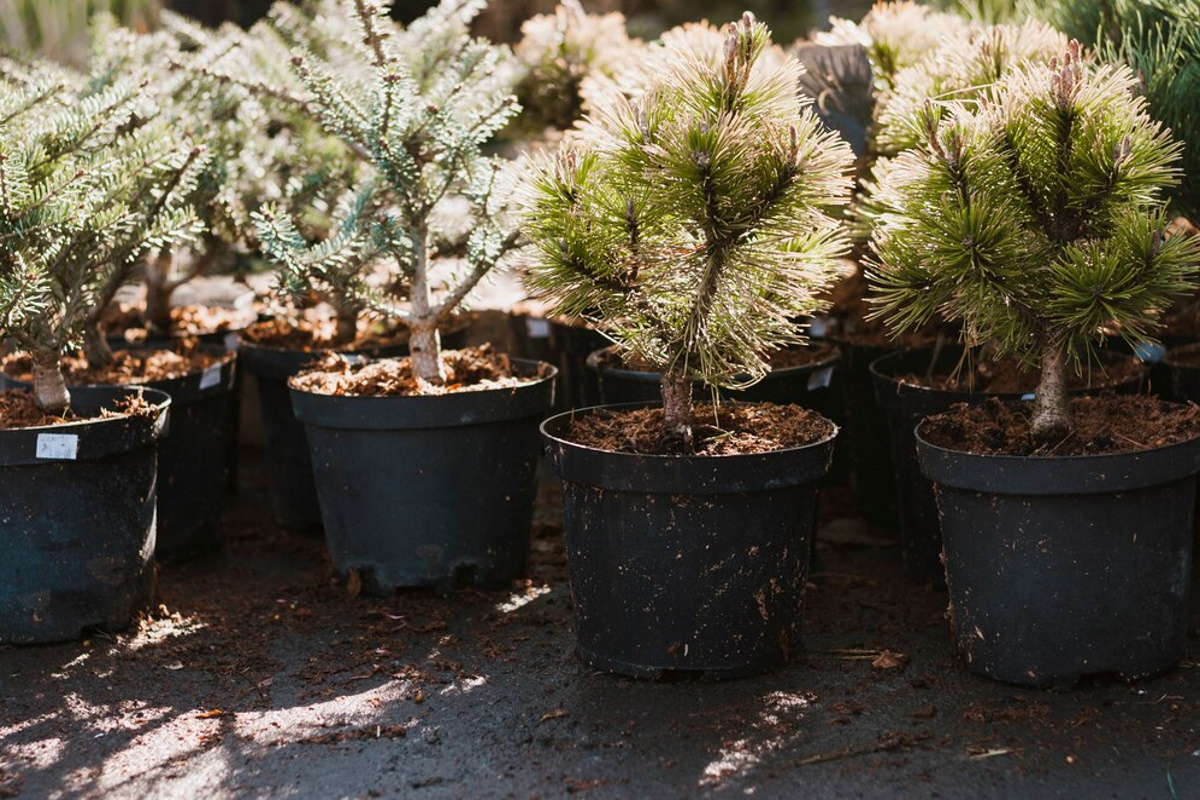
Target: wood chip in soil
[[1104, 425], [470, 369], [735, 429], [136, 365]]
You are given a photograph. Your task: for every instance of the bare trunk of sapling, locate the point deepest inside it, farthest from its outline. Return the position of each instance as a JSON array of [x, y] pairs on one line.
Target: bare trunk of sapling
[[95, 346], [1051, 421], [49, 386], [346, 326], [158, 292], [424, 344], [678, 409]]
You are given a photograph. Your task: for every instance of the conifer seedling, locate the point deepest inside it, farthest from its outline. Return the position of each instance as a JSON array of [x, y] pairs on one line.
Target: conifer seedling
[[416, 105], [1038, 220], [692, 222], [90, 180]]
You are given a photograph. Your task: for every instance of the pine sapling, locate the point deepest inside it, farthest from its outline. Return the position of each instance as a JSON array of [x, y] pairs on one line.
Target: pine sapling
[[691, 222], [1038, 220]]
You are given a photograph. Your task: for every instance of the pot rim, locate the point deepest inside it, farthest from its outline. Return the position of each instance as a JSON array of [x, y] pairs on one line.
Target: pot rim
[[1056, 475]]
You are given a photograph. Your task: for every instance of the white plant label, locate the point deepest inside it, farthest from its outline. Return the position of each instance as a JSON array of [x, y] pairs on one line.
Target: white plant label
[[232, 341], [58, 446], [817, 327], [537, 328], [210, 377], [820, 379]]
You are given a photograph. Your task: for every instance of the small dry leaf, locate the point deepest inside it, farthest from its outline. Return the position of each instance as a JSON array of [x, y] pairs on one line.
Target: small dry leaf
[[889, 659], [557, 713], [216, 712], [174, 665], [353, 584]]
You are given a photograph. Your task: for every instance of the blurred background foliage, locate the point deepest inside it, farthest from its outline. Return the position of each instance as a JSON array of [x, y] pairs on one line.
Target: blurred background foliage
[[58, 28]]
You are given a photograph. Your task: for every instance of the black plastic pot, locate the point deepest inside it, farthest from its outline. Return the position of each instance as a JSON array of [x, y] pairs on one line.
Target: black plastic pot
[[193, 459], [428, 490], [1184, 365], [690, 564], [865, 438], [78, 503], [813, 386], [1064, 567], [577, 384], [906, 404]]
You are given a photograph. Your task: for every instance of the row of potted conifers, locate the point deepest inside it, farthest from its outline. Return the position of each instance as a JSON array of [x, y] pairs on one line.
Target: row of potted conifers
[[677, 563]]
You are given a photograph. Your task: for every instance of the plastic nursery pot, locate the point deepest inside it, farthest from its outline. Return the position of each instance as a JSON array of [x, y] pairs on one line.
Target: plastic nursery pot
[[289, 468], [193, 463], [811, 385], [1063, 567], [193, 459], [429, 490], [866, 434], [686, 564], [572, 343], [905, 405], [1184, 366], [78, 502]]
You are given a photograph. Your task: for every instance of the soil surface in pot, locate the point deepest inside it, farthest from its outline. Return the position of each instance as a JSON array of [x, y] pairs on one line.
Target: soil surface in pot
[[1103, 425], [316, 332], [17, 410], [129, 366], [1008, 375], [720, 430], [127, 321], [469, 369]]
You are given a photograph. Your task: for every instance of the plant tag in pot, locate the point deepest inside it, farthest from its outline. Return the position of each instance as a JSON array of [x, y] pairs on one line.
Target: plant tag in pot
[[210, 377], [57, 446], [820, 379]]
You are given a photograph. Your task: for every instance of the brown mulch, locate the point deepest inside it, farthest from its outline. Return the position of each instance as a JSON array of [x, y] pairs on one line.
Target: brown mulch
[[17, 410], [129, 366], [1104, 425], [1007, 375], [720, 430], [470, 369], [127, 320]]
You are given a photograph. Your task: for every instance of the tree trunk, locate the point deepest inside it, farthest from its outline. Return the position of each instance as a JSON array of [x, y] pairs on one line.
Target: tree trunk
[[347, 327], [425, 348], [95, 346], [158, 293], [678, 409], [49, 386], [1051, 421], [424, 343]]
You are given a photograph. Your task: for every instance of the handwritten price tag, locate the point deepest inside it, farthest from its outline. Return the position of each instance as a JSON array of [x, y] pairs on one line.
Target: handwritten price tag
[[58, 446]]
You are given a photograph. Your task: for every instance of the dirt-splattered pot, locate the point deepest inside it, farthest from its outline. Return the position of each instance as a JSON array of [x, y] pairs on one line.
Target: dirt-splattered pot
[[1064, 566], [429, 489], [77, 501], [913, 384], [692, 564]]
